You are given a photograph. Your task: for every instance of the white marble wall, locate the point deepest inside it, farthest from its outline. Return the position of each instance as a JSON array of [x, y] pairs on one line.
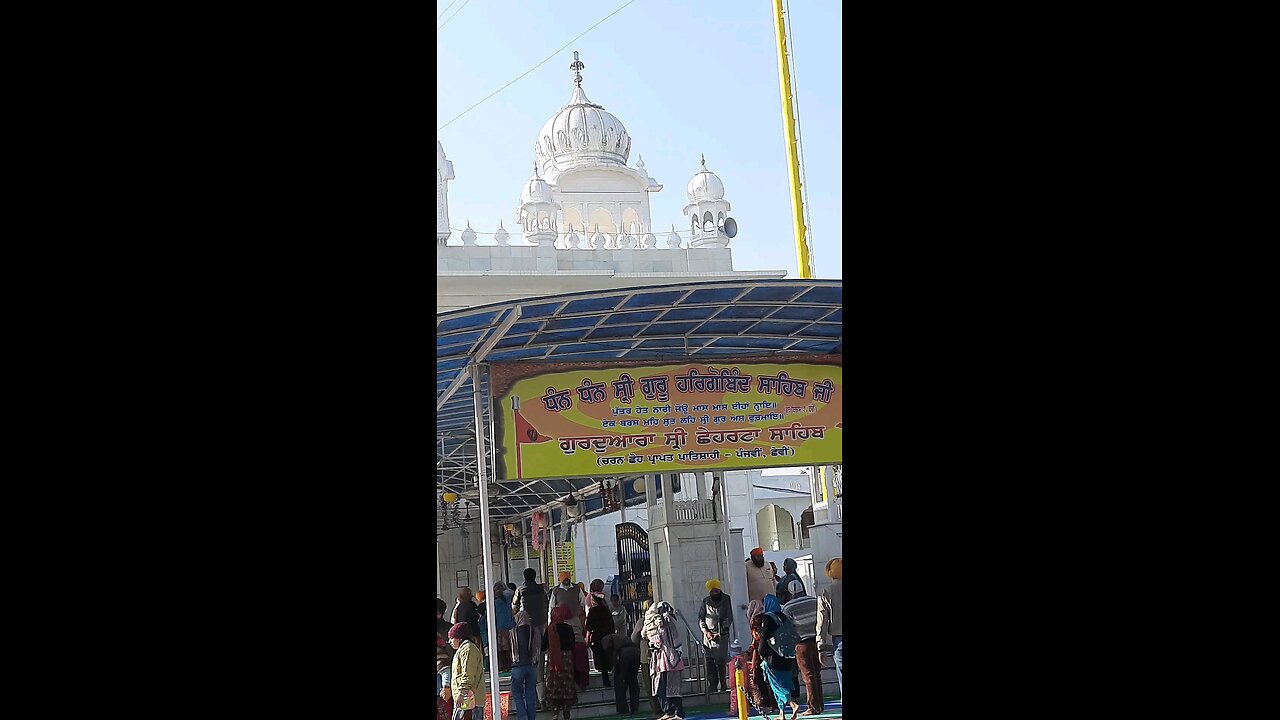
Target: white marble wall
[[543, 259]]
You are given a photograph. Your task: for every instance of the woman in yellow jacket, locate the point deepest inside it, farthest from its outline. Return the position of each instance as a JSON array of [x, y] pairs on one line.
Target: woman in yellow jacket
[[468, 675]]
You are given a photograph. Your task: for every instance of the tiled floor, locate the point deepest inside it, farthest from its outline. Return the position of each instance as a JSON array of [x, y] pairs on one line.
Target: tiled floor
[[831, 709]]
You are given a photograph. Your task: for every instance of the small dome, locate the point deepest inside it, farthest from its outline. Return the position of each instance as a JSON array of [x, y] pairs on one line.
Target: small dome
[[705, 185], [536, 191]]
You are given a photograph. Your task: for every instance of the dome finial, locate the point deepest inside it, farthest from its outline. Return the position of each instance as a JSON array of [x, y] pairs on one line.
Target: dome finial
[[535, 169], [576, 67], [704, 160]]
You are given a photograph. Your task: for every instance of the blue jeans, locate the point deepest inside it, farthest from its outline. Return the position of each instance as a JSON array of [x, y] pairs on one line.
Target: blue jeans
[[838, 641], [524, 695]]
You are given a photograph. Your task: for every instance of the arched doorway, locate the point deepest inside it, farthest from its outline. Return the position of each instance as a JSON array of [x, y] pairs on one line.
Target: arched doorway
[[806, 521], [776, 528]]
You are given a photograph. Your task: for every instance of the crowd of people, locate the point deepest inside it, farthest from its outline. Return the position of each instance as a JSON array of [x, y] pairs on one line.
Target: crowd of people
[[544, 636]]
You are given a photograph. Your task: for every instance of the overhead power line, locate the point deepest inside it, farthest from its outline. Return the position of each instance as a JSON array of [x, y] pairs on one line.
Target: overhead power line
[[535, 67], [454, 15], [446, 9]]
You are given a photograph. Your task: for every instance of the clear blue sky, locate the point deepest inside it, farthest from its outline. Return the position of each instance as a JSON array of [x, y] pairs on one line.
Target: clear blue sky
[[689, 77]]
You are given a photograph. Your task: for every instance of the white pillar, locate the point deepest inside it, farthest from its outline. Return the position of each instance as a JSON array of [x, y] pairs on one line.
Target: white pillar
[[738, 571], [555, 564], [485, 540], [727, 579], [586, 547], [526, 551], [667, 490]]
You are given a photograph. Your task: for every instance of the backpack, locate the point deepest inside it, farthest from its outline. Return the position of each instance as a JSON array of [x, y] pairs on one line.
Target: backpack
[[785, 637]]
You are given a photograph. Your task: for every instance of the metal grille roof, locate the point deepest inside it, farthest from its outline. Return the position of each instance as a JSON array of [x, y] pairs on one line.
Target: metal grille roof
[[665, 322]]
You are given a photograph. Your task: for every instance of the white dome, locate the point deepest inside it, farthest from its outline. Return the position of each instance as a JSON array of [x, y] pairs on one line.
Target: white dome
[[705, 186], [583, 133], [536, 191]]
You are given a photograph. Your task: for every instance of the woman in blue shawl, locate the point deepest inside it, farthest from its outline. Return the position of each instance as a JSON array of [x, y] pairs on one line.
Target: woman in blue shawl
[[778, 670]]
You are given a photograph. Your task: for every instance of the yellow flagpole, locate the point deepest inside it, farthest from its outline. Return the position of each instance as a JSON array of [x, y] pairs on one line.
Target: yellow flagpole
[[789, 130]]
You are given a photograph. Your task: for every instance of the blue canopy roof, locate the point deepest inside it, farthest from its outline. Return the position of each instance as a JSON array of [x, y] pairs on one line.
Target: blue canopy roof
[[664, 322]]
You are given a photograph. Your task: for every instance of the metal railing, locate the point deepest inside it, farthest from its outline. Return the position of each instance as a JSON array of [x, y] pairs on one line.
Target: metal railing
[[695, 661]]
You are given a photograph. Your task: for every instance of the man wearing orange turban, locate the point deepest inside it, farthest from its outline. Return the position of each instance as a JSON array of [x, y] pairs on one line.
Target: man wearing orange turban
[[762, 577]]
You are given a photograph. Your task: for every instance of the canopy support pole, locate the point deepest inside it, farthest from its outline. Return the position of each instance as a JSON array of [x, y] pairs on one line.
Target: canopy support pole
[[486, 539]]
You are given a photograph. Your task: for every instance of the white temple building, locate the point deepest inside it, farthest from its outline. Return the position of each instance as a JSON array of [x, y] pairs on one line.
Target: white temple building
[[583, 220]]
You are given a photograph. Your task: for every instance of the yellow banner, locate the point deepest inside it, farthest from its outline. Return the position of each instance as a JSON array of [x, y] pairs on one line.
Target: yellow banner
[[582, 419]]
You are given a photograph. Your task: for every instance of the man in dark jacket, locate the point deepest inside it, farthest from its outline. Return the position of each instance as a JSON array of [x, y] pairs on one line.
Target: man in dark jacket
[[626, 668], [531, 598]]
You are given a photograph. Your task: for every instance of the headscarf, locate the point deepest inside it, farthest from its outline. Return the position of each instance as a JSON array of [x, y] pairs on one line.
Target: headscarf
[[754, 608], [499, 589], [458, 632], [670, 633], [558, 615], [480, 596], [789, 565], [713, 585], [771, 604], [835, 571], [564, 575], [651, 617]]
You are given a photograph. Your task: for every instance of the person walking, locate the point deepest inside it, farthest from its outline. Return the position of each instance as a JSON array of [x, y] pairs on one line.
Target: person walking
[[599, 626], [482, 610], [791, 580], [762, 577], [637, 637], [829, 628], [777, 647], [468, 675], [625, 655], [803, 611], [666, 658], [619, 614], [504, 623], [467, 612], [531, 598], [569, 596], [562, 687], [758, 688], [524, 672], [444, 650], [715, 615]]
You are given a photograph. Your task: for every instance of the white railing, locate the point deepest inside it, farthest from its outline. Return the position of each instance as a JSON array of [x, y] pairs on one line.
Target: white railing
[[692, 511], [683, 511]]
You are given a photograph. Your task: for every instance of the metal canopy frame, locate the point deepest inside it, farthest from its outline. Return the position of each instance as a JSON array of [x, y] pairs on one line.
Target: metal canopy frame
[[662, 323]]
